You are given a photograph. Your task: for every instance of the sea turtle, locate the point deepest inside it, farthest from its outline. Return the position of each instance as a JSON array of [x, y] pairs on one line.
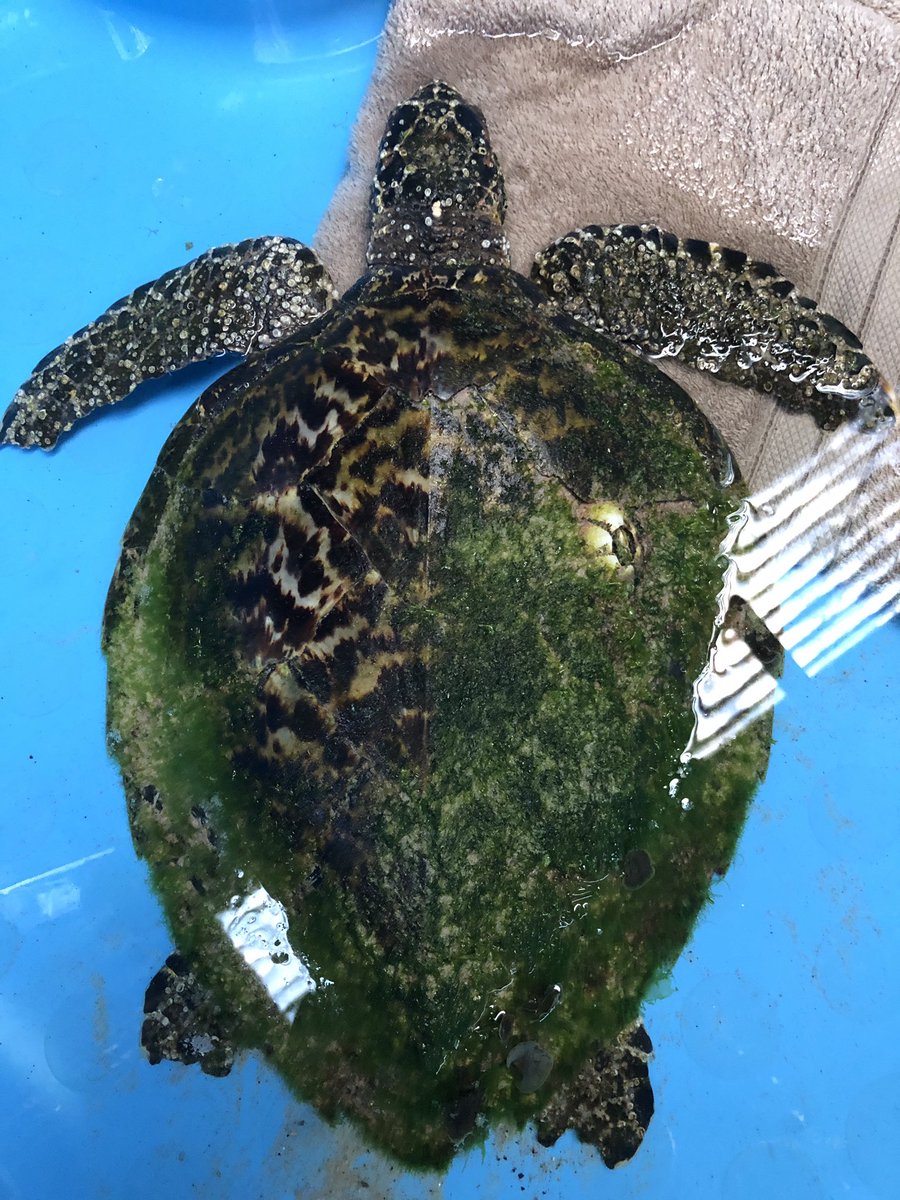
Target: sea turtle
[[405, 636]]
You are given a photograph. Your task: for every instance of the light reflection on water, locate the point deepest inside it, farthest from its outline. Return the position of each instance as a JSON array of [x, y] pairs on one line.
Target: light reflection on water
[[817, 557], [257, 927]]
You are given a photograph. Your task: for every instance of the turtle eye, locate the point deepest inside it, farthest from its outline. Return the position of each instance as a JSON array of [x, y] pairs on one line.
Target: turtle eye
[[611, 538]]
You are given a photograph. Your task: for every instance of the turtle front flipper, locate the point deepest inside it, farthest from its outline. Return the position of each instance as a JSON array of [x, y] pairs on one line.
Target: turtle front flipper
[[182, 1022], [236, 298], [609, 1103], [718, 311]]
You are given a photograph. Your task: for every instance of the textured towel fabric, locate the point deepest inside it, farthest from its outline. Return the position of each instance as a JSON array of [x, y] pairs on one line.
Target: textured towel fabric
[[772, 127]]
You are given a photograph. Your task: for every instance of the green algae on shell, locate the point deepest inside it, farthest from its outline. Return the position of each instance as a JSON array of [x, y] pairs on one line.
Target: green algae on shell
[[482, 724]]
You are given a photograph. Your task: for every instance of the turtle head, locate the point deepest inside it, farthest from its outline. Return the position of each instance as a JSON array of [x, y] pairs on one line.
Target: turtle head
[[438, 195]]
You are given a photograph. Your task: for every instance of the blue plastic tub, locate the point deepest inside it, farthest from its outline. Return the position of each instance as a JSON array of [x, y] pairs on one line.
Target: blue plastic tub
[[133, 138]]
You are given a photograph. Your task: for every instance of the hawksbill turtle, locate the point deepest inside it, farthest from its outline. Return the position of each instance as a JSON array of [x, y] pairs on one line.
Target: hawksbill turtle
[[404, 639]]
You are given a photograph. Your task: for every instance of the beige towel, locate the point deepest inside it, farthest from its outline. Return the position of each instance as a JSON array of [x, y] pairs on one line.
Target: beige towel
[[772, 127]]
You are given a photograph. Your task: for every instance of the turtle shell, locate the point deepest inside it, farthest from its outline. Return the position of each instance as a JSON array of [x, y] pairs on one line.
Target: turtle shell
[[402, 649]]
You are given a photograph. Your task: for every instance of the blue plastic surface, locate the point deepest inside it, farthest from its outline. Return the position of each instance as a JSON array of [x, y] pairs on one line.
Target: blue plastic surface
[[134, 136]]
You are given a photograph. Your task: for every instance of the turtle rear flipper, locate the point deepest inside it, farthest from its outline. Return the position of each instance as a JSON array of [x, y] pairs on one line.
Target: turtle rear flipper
[[236, 298], [182, 1022], [716, 310], [609, 1104]]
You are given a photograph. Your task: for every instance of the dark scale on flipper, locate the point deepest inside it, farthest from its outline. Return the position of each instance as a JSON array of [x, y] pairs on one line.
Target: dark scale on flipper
[[386, 776], [717, 310]]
